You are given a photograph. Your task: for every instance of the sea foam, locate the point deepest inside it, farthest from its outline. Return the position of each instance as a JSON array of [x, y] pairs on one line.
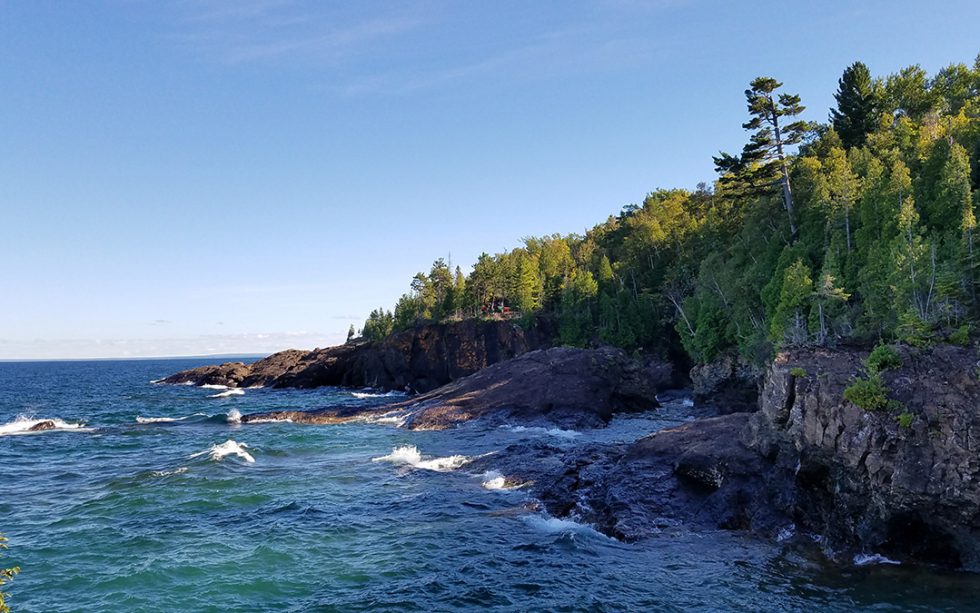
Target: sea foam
[[495, 480], [229, 447], [868, 559], [163, 420], [409, 454], [234, 417], [539, 430], [23, 425], [227, 393]]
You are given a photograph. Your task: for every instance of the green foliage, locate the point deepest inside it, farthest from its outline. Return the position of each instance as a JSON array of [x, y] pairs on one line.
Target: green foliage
[[882, 358], [857, 105], [961, 336], [905, 420], [863, 231], [797, 372], [379, 324], [869, 394], [6, 575]]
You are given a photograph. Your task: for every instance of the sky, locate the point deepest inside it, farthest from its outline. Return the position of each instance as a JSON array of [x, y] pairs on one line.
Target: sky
[[193, 177]]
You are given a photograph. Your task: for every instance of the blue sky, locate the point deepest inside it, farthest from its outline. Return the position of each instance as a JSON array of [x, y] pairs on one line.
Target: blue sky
[[193, 177]]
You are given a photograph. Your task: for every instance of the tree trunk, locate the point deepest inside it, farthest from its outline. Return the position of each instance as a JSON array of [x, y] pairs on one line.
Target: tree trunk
[[787, 192]]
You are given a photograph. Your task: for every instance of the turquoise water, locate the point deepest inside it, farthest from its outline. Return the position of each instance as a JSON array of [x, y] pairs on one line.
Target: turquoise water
[[128, 516]]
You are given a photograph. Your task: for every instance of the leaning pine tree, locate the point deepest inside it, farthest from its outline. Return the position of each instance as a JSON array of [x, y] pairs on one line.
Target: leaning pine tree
[[763, 161]]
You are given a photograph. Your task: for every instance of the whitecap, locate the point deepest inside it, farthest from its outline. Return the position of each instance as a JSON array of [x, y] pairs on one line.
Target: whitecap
[[162, 420], [409, 454], [539, 430], [375, 394], [211, 386], [226, 448], [228, 393], [868, 559], [553, 525], [23, 425], [495, 480], [271, 420], [234, 416]]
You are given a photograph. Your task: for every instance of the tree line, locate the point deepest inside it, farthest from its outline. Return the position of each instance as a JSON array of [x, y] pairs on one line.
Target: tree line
[[857, 229]]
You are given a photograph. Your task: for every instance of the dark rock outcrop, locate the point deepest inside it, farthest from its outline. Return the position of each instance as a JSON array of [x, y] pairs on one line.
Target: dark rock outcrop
[[420, 359], [860, 481], [863, 479], [727, 384], [579, 388], [563, 386]]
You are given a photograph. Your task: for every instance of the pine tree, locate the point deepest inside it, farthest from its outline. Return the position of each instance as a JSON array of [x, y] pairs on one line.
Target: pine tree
[[763, 162], [857, 106]]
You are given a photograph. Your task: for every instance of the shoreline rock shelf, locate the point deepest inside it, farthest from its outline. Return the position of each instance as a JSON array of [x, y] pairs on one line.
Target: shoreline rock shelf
[[904, 482]]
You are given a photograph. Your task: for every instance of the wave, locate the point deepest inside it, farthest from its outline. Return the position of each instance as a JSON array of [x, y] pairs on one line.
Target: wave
[[409, 454], [495, 480], [213, 386], [23, 425], [376, 395], [227, 448], [553, 525], [162, 420], [234, 417], [540, 430], [227, 393], [271, 420], [868, 559]]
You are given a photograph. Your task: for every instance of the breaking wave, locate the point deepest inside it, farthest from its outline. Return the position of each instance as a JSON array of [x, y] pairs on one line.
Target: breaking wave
[[229, 447], [540, 430], [231, 392], [553, 525], [163, 420], [409, 454], [234, 417], [23, 425], [868, 559], [375, 394]]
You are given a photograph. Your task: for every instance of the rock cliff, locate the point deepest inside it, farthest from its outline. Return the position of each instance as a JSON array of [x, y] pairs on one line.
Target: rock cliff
[[903, 483], [420, 359]]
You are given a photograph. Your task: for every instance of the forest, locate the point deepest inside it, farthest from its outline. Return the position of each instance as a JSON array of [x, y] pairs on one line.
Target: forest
[[856, 230]]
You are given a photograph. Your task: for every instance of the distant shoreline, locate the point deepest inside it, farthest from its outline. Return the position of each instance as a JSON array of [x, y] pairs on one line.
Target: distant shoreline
[[225, 356]]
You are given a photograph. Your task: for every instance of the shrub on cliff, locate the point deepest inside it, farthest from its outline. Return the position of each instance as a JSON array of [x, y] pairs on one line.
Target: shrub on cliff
[[882, 358], [869, 394]]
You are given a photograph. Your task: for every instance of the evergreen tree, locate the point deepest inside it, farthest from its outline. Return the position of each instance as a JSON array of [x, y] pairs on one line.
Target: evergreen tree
[[789, 323], [857, 106], [763, 161]]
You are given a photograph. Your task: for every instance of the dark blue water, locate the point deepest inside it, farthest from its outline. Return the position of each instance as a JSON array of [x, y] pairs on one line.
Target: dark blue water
[[119, 515]]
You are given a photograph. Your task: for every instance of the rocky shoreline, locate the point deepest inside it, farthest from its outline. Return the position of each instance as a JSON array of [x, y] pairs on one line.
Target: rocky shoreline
[[780, 453]]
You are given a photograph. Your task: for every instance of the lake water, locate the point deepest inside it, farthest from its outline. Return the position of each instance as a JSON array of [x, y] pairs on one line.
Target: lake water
[[140, 503]]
